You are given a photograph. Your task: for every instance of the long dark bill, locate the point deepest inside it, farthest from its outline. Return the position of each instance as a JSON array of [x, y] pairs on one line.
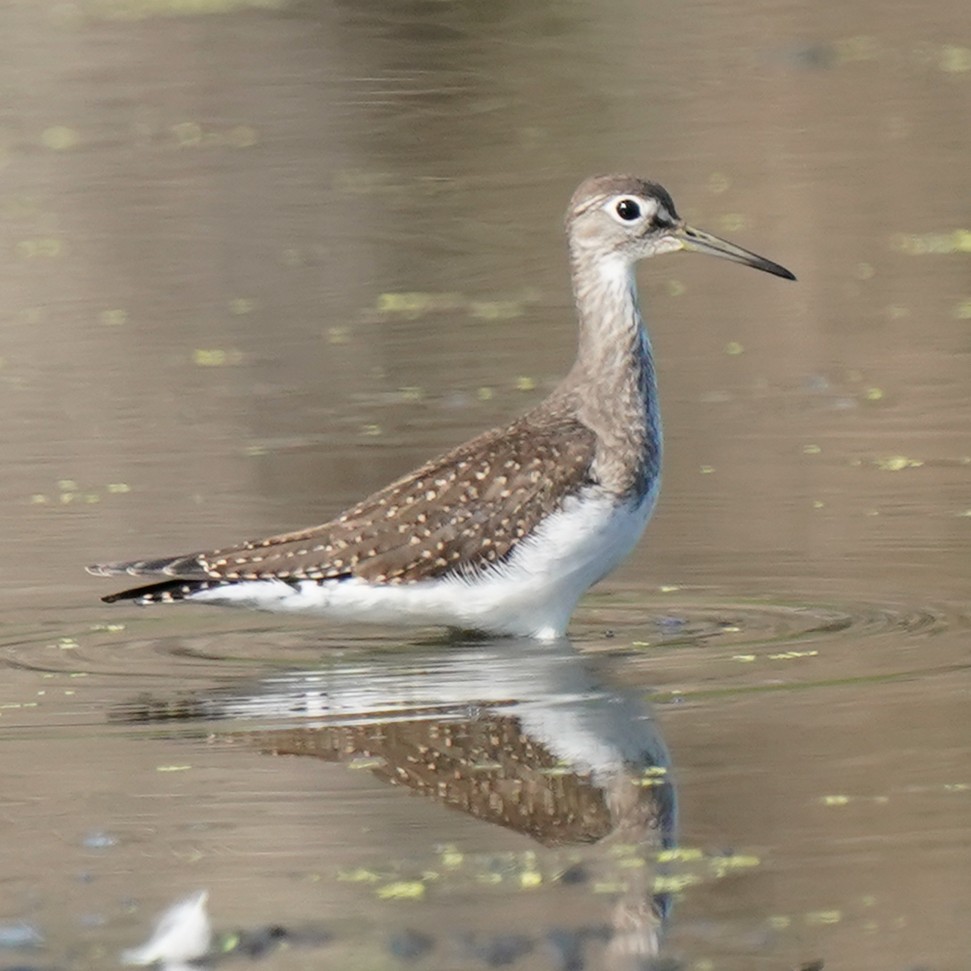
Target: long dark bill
[[702, 242]]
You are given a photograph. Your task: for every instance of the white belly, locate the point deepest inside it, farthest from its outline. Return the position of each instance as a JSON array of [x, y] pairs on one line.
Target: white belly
[[532, 594]]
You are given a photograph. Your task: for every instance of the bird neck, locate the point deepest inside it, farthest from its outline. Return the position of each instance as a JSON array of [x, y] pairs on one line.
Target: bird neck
[[613, 380]]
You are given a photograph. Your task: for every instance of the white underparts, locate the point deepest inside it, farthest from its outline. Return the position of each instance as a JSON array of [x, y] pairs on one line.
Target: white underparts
[[532, 594]]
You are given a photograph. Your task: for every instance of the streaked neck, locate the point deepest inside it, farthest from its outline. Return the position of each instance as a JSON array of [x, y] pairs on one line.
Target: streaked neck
[[613, 379]]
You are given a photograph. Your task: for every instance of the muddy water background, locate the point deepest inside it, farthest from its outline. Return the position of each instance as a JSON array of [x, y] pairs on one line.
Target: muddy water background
[[259, 260]]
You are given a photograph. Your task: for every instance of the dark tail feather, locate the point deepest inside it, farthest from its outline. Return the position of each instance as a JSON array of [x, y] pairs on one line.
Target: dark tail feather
[[166, 591]]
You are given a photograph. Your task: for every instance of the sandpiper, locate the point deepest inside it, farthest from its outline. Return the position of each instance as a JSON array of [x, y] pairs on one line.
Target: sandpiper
[[505, 533]]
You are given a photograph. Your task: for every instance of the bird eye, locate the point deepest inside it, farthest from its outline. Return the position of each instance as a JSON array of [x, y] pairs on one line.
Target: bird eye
[[628, 210]]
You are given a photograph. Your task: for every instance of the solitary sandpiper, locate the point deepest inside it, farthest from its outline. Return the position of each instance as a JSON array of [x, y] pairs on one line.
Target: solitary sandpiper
[[505, 533]]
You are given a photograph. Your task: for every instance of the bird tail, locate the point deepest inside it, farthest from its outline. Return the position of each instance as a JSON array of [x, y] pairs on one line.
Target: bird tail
[[163, 592], [169, 566]]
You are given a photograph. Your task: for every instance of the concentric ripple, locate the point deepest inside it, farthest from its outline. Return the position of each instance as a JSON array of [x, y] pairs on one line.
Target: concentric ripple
[[210, 646]]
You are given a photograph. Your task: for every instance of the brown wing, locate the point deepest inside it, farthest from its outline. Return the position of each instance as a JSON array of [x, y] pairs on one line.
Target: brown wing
[[459, 512]]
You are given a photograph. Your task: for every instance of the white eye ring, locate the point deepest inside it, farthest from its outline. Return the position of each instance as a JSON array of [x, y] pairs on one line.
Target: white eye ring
[[631, 210]]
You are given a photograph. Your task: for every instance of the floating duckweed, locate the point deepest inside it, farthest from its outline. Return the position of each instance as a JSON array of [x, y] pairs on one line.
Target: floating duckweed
[[208, 358], [721, 866], [338, 335], [414, 304], [734, 348], [413, 393], [530, 879], [896, 463], [366, 762], [675, 883], [955, 59], [811, 450], [963, 310], [187, 133], [39, 499], [215, 357], [402, 890], [669, 588], [485, 394], [779, 922], [680, 854], [525, 383], [923, 244], [676, 288], [495, 309], [718, 182], [358, 875], [706, 469], [745, 658], [371, 430], [818, 504], [610, 886], [59, 138], [740, 861], [172, 768], [451, 857], [117, 488], [834, 800], [113, 318], [47, 246], [824, 917], [241, 305], [873, 394], [790, 655]]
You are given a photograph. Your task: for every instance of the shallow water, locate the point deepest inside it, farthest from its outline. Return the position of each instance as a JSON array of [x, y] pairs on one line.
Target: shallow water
[[261, 257]]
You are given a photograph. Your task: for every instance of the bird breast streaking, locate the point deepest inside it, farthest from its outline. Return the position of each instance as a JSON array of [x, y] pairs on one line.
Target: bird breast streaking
[[505, 533]]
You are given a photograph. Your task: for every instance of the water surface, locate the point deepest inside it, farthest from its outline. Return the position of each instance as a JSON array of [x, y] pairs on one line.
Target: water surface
[[259, 258]]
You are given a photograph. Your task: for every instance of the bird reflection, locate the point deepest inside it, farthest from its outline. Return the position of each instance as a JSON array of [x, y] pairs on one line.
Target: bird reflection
[[529, 737]]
